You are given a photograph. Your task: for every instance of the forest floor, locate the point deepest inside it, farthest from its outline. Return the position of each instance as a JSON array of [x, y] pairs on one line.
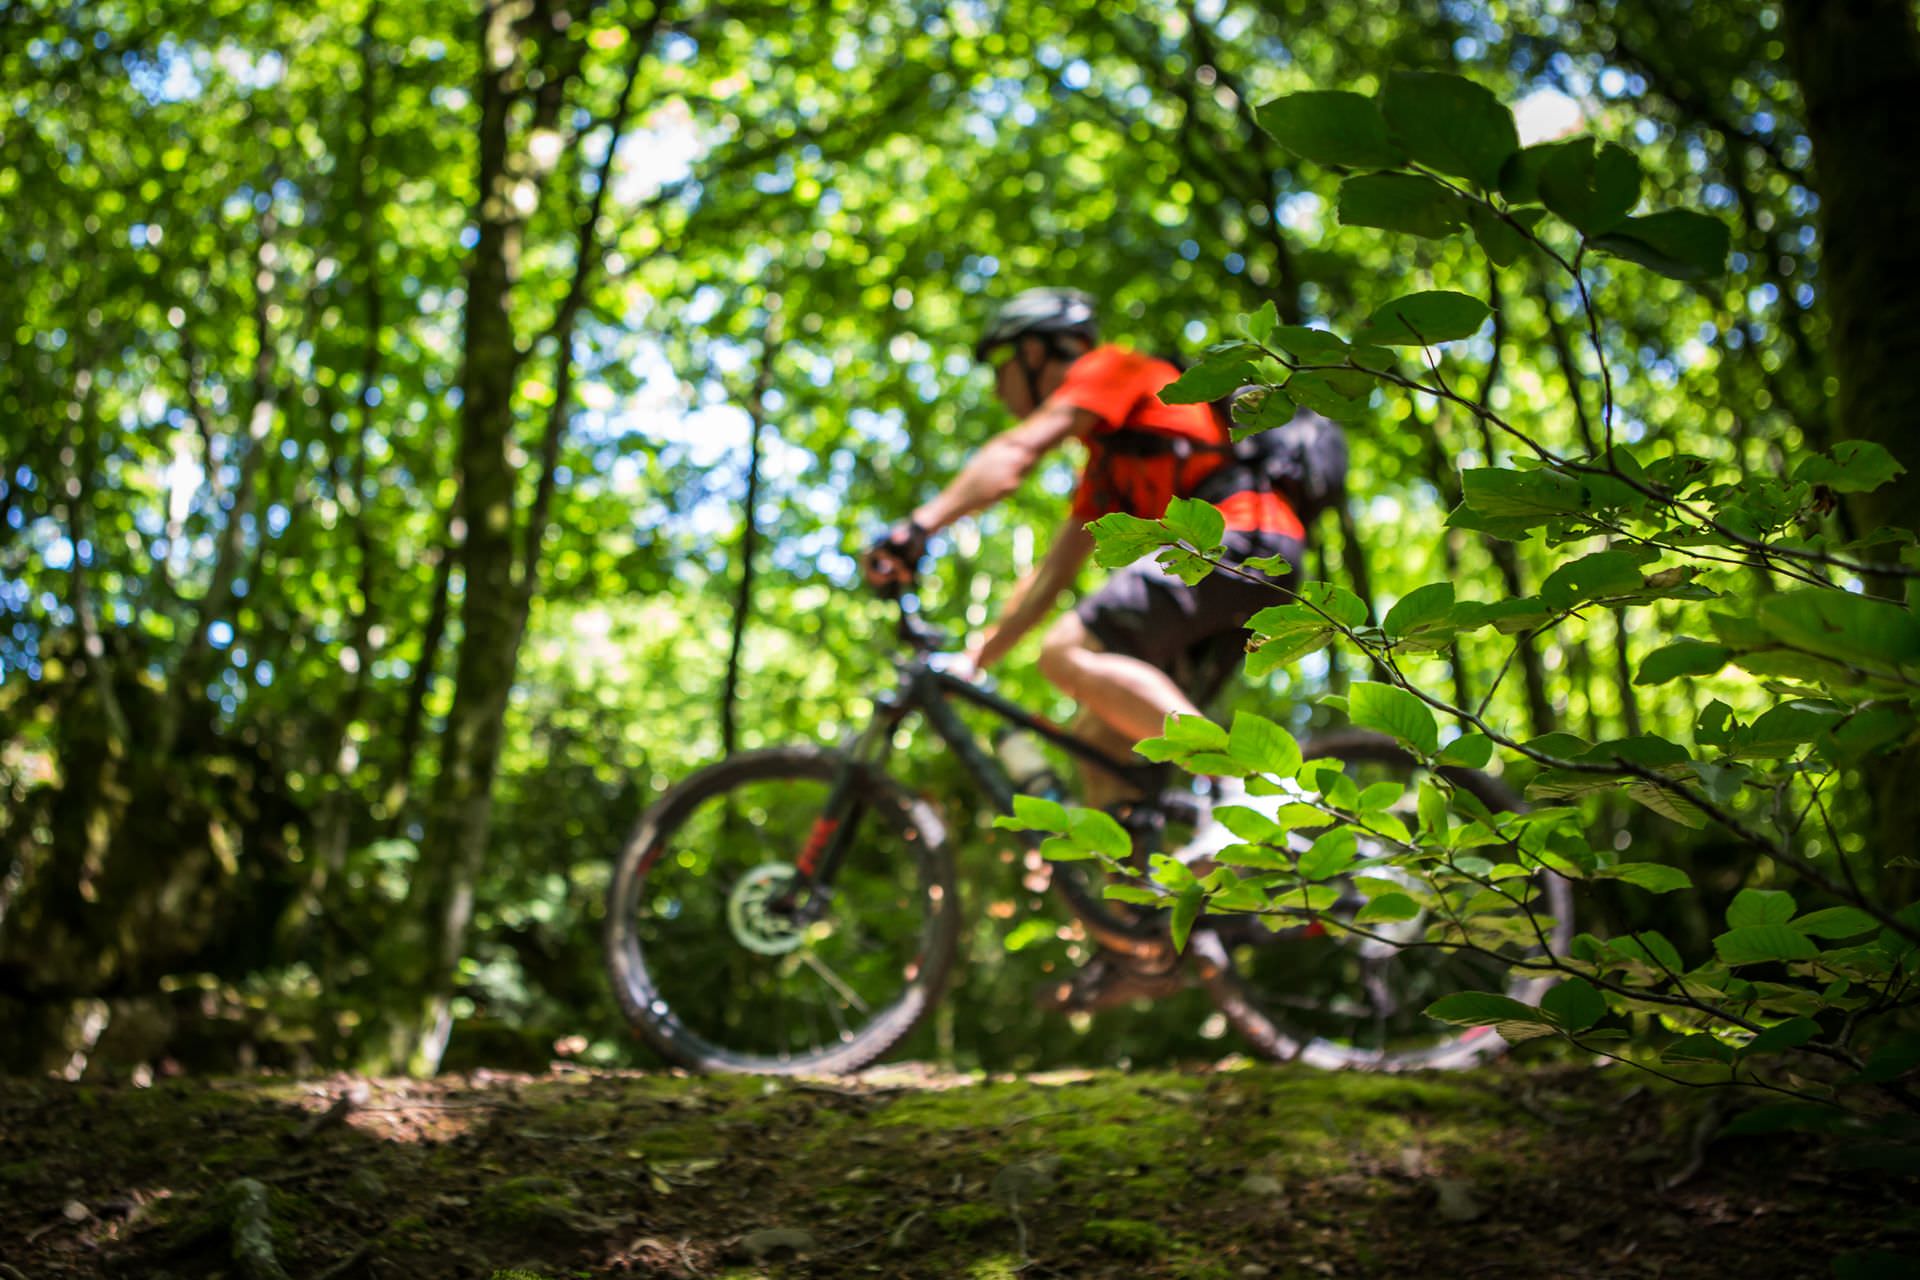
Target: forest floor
[[1212, 1172]]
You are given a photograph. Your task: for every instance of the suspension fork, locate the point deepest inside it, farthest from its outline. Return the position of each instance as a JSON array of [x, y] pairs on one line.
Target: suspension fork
[[832, 833]]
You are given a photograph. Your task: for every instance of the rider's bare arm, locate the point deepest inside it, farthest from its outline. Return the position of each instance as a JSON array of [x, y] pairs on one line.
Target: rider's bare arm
[[1032, 599], [1003, 462]]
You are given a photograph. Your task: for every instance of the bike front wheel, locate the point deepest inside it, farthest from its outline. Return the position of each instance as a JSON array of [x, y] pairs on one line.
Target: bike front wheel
[[1336, 999], [721, 962]]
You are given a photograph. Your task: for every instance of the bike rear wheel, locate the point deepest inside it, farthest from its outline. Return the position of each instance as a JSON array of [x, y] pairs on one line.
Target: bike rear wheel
[[1340, 1000], [707, 957]]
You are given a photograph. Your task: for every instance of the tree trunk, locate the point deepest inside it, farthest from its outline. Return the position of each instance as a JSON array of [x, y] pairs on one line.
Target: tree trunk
[[440, 899], [749, 527], [501, 577], [1858, 65]]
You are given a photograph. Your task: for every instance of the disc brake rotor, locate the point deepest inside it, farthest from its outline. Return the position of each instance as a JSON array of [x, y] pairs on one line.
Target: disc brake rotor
[[756, 924]]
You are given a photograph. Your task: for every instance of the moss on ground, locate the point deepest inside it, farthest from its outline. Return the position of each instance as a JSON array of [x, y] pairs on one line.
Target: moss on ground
[[1202, 1175]]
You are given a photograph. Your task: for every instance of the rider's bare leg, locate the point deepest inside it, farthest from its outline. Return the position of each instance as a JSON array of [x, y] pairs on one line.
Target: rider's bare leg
[[1132, 697], [1101, 788]]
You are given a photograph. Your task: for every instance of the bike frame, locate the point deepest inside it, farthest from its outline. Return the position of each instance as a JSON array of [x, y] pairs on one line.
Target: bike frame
[[928, 691]]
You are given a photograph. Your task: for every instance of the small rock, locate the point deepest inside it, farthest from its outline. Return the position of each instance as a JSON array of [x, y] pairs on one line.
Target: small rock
[[1262, 1184], [1455, 1200], [74, 1211], [1255, 1270], [762, 1245]]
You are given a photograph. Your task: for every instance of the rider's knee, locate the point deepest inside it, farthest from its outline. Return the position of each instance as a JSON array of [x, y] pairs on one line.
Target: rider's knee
[[1061, 650]]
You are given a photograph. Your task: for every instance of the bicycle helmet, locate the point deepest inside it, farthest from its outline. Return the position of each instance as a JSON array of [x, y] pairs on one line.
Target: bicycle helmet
[[1039, 311]]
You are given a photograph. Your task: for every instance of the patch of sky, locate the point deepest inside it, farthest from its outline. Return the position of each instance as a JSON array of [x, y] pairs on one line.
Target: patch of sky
[[220, 634], [1076, 75], [1545, 114], [1300, 212], [1234, 263]]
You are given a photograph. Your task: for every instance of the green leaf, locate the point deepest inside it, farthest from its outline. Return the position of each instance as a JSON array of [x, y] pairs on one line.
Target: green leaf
[[1249, 824], [1482, 1009], [1096, 830], [1420, 607], [1574, 1004], [1260, 324], [1388, 908], [1272, 566], [1592, 577], [1682, 658], [1263, 746], [1331, 127], [1423, 319], [1401, 202], [1184, 565], [1186, 908], [1380, 796], [1677, 243], [1650, 947], [1061, 849], [1261, 409], [1855, 466], [1790, 1034], [1520, 175], [1331, 854], [1468, 751], [1893, 1059], [1503, 243], [1836, 922], [1209, 380], [1759, 907], [1761, 943], [1320, 391], [1310, 346], [1336, 602], [1034, 813], [1449, 123], [1393, 710], [1654, 877], [1194, 733], [1593, 192], [1196, 522], [1837, 624], [1133, 893], [1433, 810], [1120, 539]]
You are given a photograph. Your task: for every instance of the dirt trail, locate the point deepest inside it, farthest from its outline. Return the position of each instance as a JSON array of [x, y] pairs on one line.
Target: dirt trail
[[1232, 1173]]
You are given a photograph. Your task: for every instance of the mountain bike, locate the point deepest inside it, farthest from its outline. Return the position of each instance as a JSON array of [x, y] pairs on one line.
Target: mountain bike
[[795, 910]]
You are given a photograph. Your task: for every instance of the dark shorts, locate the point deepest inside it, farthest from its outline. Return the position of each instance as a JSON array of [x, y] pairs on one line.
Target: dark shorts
[[1195, 634]]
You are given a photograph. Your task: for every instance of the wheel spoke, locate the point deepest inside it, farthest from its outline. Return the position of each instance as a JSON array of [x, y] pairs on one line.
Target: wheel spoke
[[832, 979]]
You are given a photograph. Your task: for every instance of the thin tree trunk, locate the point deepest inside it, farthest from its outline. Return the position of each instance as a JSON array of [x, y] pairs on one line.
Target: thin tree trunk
[[749, 526]]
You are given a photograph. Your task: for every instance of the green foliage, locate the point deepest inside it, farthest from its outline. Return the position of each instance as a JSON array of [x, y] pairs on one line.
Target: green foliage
[[1829, 672]]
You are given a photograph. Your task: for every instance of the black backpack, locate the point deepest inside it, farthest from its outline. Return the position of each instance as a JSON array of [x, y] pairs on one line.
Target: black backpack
[[1304, 461]]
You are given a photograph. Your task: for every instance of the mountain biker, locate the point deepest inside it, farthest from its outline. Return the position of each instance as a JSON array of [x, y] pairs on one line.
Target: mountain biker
[[1143, 645]]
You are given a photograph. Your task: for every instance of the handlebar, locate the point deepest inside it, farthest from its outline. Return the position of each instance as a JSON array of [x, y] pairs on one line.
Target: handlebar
[[921, 637]]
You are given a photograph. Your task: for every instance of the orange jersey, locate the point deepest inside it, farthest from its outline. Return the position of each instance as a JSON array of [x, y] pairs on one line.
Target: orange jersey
[[1121, 389]]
